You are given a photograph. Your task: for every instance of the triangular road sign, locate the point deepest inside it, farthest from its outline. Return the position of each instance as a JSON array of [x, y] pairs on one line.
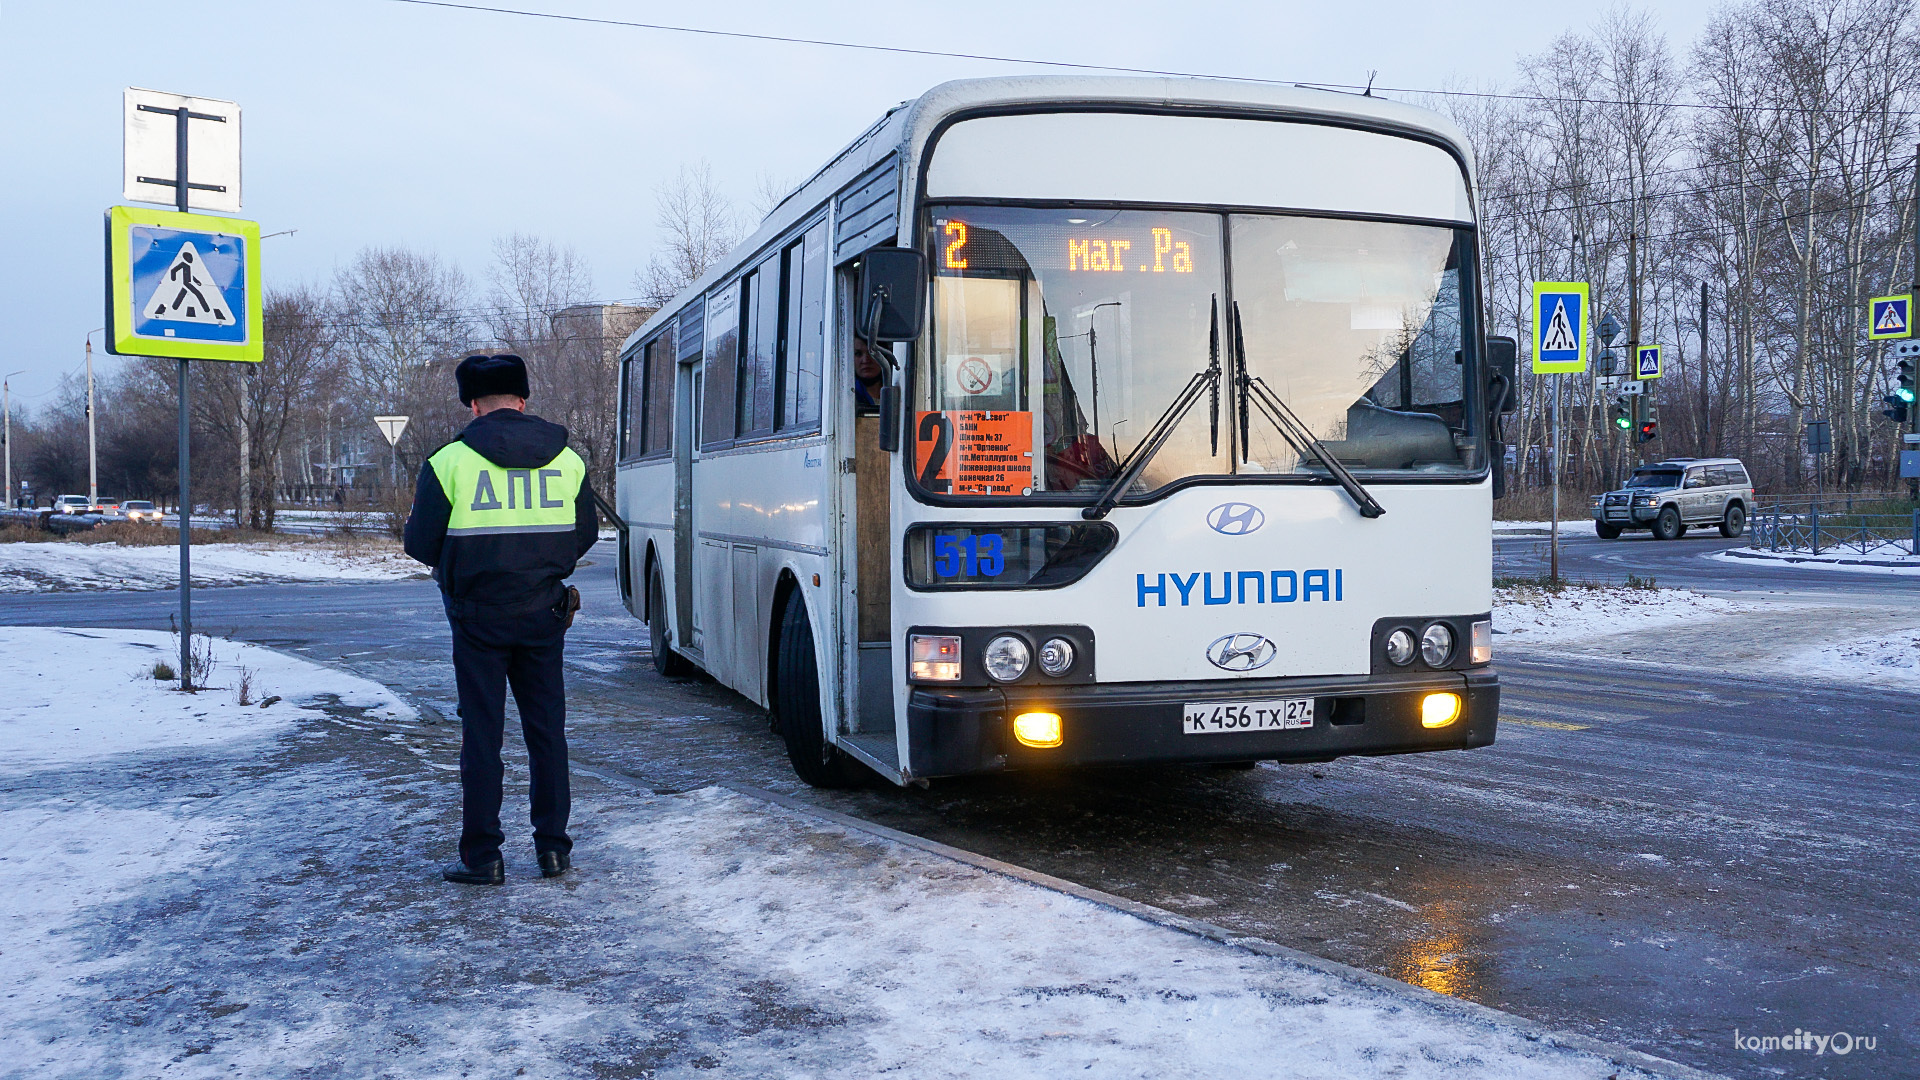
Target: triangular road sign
[[1890, 320], [1559, 334], [186, 294], [391, 427]]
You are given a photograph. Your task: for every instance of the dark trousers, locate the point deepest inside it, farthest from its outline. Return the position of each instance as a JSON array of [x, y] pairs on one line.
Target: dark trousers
[[488, 656]]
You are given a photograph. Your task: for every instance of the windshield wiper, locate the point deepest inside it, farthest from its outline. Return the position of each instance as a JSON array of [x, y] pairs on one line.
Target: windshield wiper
[[1255, 390], [1162, 429]]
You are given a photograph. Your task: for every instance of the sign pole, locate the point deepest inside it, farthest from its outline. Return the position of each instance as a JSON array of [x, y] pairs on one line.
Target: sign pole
[[1553, 545], [180, 120]]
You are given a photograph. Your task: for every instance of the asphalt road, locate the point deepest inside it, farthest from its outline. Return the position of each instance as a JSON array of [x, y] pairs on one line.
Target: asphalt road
[[1649, 855], [1685, 563]]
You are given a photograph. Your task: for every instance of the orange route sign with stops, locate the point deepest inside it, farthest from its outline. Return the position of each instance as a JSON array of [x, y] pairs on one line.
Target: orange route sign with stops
[[966, 452]]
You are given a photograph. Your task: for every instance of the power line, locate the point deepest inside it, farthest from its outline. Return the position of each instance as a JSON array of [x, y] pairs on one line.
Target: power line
[[901, 50]]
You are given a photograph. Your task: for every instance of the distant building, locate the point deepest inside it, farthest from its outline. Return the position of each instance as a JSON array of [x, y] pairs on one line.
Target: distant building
[[609, 324]]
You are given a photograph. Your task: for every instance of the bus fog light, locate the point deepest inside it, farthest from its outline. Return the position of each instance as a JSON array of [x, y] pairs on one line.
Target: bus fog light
[[1483, 642], [934, 658], [1439, 710], [1040, 729], [1056, 656], [1436, 644], [1006, 658], [1400, 647]]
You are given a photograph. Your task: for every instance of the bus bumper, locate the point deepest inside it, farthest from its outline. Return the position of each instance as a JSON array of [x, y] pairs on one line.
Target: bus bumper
[[960, 731]]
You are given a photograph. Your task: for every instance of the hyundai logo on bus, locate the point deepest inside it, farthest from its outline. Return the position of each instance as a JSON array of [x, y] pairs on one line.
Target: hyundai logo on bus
[[1264, 586], [1241, 652], [1235, 518]]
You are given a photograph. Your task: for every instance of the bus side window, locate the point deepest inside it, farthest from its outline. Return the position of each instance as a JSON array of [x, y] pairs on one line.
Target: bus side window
[[723, 345], [630, 387], [803, 329], [657, 408]]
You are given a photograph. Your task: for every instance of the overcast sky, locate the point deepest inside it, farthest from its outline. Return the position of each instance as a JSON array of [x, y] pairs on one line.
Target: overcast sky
[[374, 122]]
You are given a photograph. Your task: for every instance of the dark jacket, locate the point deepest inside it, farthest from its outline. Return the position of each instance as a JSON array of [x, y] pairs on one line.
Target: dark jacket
[[500, 573]]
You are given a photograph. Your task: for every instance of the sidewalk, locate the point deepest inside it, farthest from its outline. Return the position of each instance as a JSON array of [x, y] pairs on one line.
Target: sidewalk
[[196, 888]]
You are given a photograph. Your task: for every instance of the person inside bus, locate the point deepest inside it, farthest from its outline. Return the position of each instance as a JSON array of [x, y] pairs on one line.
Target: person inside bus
[[868, 375]]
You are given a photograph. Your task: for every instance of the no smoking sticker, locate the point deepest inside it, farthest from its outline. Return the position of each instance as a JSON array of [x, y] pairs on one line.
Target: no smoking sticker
[[977, 374]]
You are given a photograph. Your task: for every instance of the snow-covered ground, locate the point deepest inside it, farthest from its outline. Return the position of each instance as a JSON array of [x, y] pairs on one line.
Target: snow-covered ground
[[1566, 526], [78, 695], [1525, 615], [1887, 559], [1883, 660], [69, 565], [265, 903]]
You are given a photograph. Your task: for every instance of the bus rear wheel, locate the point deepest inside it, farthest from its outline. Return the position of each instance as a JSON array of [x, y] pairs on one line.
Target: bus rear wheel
[[796, 704], [668, 663]]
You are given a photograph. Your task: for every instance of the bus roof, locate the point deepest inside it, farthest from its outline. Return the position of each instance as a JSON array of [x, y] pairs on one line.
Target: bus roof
[[911, 124]]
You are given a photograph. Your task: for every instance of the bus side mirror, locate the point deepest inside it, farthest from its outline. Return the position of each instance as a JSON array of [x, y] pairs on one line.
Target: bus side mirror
[[1503, 375], [893, 282]]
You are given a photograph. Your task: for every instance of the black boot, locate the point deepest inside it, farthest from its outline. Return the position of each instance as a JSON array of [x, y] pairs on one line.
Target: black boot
[[490, 873], [555, 863]]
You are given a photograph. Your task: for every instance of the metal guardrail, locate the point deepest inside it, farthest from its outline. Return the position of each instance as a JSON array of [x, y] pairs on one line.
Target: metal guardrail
[[1817, 527]]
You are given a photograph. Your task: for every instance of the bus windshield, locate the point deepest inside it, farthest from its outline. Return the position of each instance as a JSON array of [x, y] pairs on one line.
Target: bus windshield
[[1058, 337]]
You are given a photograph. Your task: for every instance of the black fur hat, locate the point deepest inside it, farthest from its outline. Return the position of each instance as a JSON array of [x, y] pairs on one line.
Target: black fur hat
[[483, 376]]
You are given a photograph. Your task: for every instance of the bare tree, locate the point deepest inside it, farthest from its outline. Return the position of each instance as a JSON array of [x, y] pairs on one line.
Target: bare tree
[[698, 226]]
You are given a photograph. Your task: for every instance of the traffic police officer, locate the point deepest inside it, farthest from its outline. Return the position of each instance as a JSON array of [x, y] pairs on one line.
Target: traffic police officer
[[502, 514]]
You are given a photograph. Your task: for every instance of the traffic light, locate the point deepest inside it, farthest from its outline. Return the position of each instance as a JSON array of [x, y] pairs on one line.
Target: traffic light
[[1622, 414], [1905, 390], [1896, 408], [1650, 426]]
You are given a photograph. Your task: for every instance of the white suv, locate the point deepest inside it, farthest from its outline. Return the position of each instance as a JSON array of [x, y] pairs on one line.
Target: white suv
[[1668, 496]]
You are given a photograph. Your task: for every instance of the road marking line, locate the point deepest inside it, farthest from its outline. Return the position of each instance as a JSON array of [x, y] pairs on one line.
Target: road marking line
[[1553, 724]]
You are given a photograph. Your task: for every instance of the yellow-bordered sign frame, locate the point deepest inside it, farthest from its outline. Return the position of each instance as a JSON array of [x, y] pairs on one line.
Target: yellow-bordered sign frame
[[1641, 353], [1905, 303], [124, 337], [1555, 361]]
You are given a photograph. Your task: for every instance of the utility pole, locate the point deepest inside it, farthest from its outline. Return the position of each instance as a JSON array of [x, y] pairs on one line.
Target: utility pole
[[1633, 342], [1913, 413], [6, 406], [93, 471]]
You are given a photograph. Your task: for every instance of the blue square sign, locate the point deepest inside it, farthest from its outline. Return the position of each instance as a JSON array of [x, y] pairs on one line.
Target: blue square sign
[[183, 285], [1559, 327]]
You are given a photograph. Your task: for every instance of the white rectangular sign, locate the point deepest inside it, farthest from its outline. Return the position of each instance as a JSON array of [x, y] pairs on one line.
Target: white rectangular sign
[[213, 150]]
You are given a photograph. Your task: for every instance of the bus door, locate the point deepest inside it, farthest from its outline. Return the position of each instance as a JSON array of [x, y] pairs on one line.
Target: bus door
[[686, 428], [870, 545]]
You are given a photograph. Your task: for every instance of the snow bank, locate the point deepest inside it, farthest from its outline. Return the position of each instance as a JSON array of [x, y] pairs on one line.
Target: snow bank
[[1532, 616], [78, 695], [66, 566], [1887, 660], [1886, 559], [1584, 525]]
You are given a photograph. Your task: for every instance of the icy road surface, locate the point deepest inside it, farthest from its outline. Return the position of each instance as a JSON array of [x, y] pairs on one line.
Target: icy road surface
[[218, 889]]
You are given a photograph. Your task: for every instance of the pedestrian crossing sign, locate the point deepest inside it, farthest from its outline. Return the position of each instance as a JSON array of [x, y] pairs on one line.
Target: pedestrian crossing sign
[[183, 285], [1559, 327], [1646, 362], [1889, 317]]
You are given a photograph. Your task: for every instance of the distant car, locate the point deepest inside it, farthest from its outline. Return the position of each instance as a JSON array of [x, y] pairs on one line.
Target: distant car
[[109, 507], [1669, 496], [71, 504], [140, 510]]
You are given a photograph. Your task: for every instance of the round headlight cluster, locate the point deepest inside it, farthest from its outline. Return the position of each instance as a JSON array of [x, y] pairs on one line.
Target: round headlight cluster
[[1056, 656], [1400, 647], [1436, 644], [1006, 658]]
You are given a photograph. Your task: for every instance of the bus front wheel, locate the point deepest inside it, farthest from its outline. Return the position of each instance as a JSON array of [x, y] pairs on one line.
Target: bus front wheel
[[796, 703], [668, 663]]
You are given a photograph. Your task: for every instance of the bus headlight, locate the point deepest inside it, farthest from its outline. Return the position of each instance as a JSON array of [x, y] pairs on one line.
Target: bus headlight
[[1436, 644], [1482, 641], [1006, 658], [1400, 647], [934, 658], [1056, 656]]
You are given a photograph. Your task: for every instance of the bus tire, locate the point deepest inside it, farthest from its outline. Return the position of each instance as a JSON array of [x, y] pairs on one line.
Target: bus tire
[[669, 664], [1735, 521], [1605, 531], [796, 701], [1667, 525]]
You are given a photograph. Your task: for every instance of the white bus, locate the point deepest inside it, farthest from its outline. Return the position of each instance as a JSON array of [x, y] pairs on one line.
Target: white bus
[[1180, 452]]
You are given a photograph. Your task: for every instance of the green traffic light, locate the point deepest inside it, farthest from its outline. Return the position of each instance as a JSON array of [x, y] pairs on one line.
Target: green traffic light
[[1904, 393], [1622, 423]]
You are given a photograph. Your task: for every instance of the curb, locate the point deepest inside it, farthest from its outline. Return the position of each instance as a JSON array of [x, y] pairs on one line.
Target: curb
[[1736, 553], [1533, 1031]]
